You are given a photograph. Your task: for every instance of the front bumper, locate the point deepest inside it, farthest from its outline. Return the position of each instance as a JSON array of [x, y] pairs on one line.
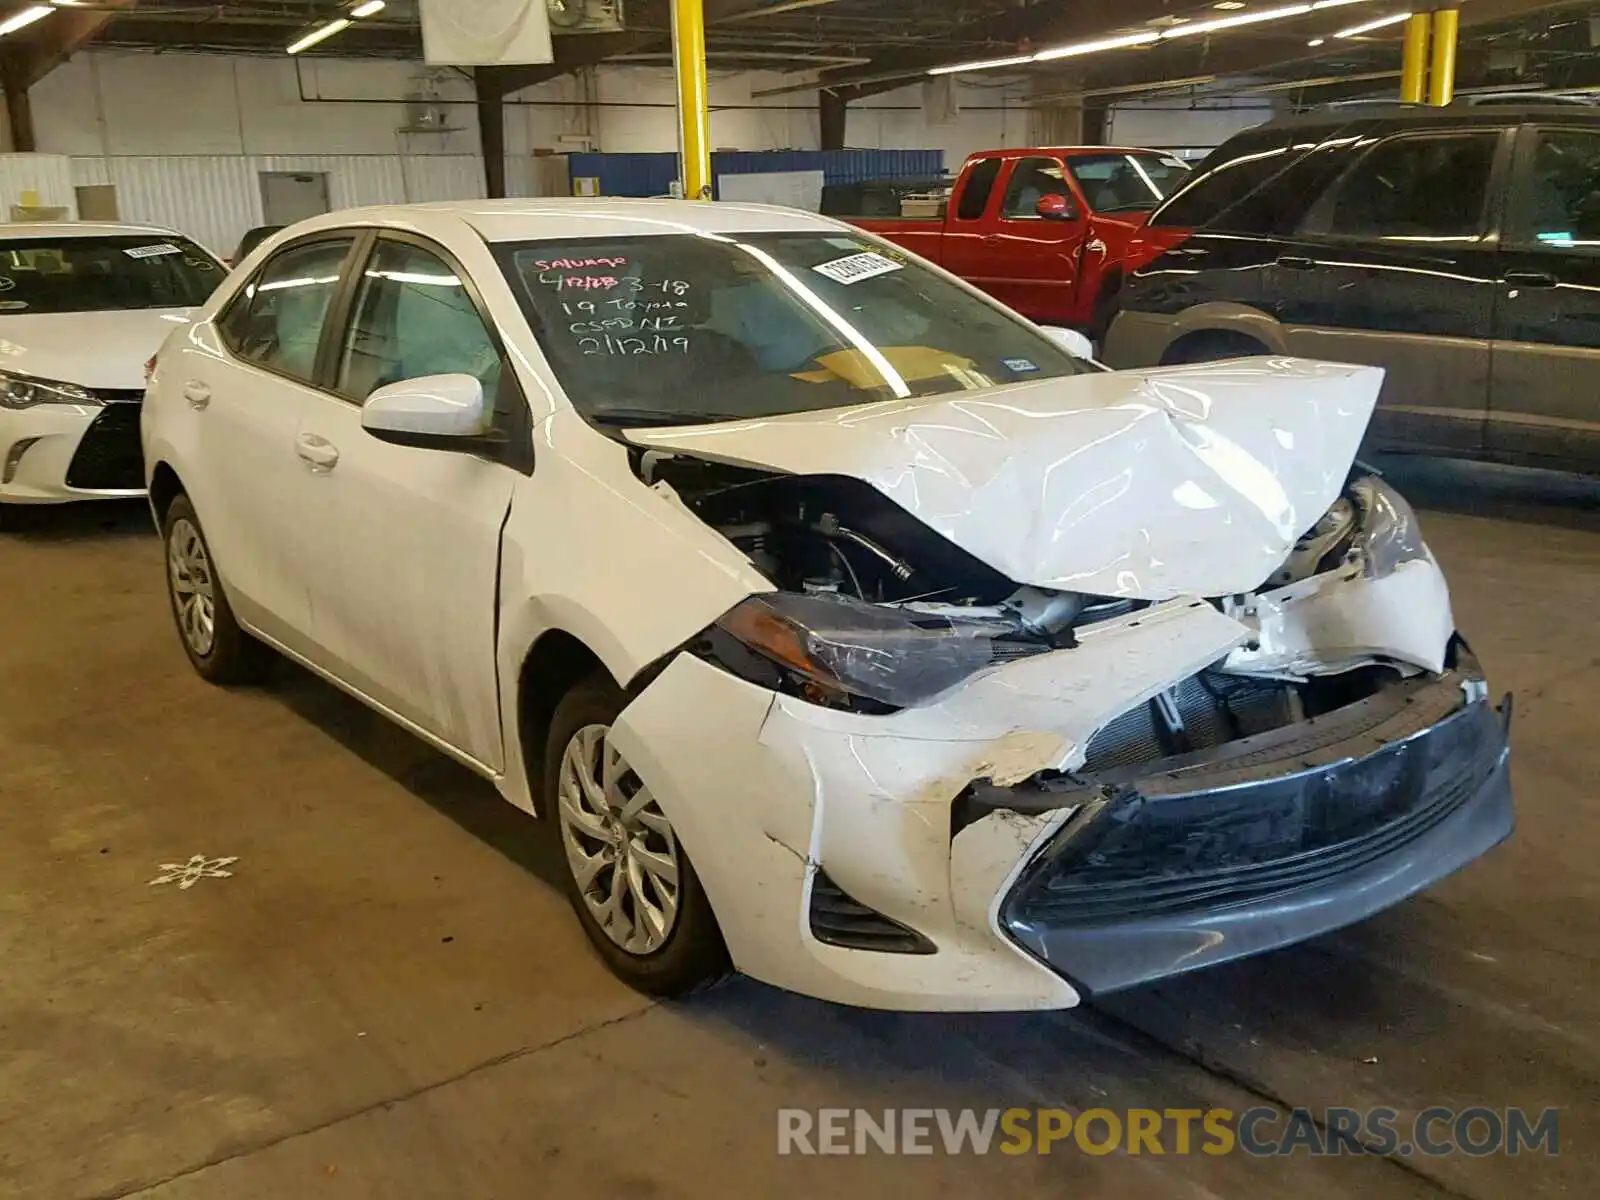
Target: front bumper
[[56, 453], [1187, 866]]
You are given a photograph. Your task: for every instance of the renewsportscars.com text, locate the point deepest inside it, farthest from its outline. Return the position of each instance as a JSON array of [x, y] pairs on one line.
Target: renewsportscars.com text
[[1259, 1132]]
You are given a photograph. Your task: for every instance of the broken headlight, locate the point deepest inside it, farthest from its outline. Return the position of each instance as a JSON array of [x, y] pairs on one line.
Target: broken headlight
[[832, 649], [1387, 533]]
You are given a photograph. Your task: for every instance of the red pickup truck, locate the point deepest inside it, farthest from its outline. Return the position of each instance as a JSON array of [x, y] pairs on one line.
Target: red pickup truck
[[1043, 230]]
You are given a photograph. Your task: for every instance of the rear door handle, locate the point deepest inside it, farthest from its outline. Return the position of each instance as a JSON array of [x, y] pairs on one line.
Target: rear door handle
[[1296, 262], [1533, 279], [197, 394], [321, 454]]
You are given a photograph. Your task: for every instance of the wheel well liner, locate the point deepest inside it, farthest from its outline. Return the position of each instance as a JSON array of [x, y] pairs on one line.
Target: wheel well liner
[[1229, 343], [552, 666], [165, 487]]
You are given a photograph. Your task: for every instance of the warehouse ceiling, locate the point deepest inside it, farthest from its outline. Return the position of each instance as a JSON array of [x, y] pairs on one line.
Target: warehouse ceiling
[[859, 47]]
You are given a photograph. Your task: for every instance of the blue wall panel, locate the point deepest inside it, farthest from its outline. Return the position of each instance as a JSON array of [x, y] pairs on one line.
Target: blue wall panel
[[652, 174]]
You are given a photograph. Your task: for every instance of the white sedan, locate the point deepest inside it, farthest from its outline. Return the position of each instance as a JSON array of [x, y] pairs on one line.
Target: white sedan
[[846, 628], [82, 309]]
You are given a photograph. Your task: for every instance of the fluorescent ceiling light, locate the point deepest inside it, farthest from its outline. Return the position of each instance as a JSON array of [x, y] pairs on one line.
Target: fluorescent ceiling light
[[1228, 5], [1247, 18], [367, 9], [1316, 41], [319, 35], [986, 64], [1369, 26], [1143, 38], [25, 18]]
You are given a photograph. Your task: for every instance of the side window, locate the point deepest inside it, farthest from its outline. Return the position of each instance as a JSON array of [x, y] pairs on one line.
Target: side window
[[1280, 204], [414, 317], [276, 322], [980, 186], [1431, 186], [1557, 201], [1234, 172], [1032, 179]]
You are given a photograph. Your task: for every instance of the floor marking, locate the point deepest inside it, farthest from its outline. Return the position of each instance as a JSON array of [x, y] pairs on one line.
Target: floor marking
[[186, 875]]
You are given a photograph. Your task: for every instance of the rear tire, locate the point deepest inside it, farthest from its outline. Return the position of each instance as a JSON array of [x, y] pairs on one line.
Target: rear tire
[[628, 877], [1211, 346], [219, 649]]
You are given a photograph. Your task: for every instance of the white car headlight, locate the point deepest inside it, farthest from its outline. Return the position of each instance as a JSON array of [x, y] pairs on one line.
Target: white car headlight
[[24, 391], [1387, 532]]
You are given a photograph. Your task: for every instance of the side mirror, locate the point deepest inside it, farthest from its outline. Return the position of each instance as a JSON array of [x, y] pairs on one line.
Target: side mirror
[[1070, 340], [434, 412], [1056, 207]]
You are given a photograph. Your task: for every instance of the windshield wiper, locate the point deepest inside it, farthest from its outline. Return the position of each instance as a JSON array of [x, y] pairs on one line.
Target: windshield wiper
[[658, 416]]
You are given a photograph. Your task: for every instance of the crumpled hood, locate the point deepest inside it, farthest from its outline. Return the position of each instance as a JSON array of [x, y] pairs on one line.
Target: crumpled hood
[[91, 349], [1177, 481]]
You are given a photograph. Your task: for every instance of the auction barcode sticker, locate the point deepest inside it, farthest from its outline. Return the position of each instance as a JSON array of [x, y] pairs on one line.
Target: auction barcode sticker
[[152, 251], [856, 267]]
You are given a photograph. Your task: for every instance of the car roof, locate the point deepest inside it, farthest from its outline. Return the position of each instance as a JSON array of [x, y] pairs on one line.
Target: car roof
[[78, 229], [1503, 111], [1024, 151], [580, 217]]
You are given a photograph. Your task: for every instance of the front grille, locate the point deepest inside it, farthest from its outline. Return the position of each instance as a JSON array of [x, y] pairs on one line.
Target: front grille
[[839, 919], [109, 456], [1142, 856]]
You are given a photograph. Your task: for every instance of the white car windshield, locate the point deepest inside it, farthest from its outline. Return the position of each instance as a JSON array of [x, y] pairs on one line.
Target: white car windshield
[[103, 274], [681, 328]]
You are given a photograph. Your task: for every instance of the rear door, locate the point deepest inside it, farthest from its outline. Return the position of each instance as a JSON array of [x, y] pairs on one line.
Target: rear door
[[1544, 403], [967, 221], [1396, 266], [403, 556]]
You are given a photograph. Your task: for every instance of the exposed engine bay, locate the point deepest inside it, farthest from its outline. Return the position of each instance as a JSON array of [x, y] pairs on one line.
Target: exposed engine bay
[[877, 611]]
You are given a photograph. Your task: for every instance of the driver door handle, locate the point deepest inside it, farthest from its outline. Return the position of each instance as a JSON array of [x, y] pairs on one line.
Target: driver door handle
[[321, 454], [197, 394]]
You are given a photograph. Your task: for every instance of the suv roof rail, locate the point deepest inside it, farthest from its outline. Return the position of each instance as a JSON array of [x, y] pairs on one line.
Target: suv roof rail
[[1526, 98]]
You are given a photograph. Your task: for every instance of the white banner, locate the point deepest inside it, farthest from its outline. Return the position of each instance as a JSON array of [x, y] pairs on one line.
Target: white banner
[[485, 33]]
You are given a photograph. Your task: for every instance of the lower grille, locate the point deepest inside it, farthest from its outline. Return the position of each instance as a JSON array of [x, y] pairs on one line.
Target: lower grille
[[1144, 856], [839, 919], [109, 457]]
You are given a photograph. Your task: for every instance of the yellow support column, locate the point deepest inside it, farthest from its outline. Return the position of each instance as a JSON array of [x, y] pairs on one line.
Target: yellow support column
[[1414, 65], [694, 122], [1442, 78]]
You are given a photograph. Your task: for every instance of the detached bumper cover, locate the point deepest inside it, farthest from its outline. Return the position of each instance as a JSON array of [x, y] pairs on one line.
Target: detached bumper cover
[[1218, 857]]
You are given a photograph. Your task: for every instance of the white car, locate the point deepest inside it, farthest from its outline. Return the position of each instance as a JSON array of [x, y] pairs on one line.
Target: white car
[[843, 625], [82, 309]]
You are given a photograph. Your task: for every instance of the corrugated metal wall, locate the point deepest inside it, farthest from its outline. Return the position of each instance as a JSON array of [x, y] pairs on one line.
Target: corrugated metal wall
[[50, 175], [215, 199], [653, 174]]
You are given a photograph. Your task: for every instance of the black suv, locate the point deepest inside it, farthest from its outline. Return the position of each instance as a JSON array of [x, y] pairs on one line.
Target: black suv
[[1458, 247]]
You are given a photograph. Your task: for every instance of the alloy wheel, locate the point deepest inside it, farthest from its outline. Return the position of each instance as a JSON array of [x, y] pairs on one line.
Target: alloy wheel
[[620, 848], [194, 594]]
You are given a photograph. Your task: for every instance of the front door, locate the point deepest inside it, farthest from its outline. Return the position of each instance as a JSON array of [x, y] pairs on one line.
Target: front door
[[405, 554], [1395, 266], [1032, 263], [251, 389], [1544, 400]]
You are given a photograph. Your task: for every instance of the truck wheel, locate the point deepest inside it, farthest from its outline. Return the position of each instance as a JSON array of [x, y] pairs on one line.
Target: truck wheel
[[628, 877], [1211, 345]]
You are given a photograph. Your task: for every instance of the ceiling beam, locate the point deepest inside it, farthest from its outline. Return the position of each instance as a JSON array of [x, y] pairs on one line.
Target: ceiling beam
[[40, 48]]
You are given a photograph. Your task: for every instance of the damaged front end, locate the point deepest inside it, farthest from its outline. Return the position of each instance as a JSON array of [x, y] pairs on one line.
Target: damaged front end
[[983, 788]]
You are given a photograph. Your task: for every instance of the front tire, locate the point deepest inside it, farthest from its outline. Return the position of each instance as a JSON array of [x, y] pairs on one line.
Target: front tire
[[628, 877], [220, 650]]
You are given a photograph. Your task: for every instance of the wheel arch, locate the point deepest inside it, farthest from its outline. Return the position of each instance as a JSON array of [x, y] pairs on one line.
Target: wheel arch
[[552, 665], [1226, 320], [165, 487]]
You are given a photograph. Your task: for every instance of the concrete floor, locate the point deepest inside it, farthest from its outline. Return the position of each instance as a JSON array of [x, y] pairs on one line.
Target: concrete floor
[[389, 998]]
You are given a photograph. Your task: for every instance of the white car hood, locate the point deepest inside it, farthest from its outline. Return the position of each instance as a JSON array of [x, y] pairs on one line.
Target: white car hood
[[91, 349], [1153, 484]]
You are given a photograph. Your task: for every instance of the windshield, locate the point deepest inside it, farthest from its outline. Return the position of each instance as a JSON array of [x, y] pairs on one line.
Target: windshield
[[1122, 182], [688, 327], [102, 274]]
